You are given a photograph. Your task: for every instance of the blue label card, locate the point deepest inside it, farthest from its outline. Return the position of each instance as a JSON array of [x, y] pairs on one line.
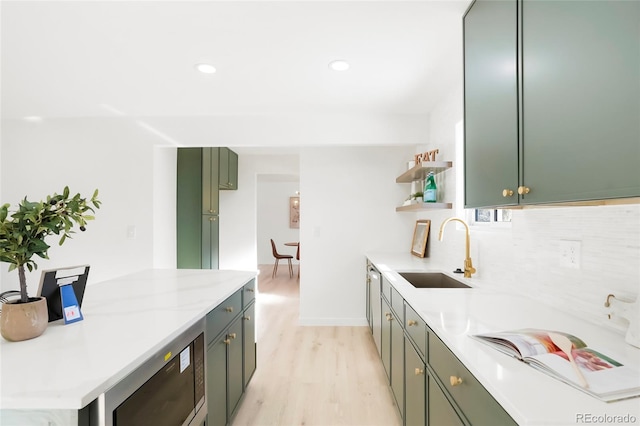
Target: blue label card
[[70, 308]]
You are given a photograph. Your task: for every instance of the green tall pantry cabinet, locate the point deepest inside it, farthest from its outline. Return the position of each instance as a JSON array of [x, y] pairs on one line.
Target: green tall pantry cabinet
[[199, 174], [552, 100]]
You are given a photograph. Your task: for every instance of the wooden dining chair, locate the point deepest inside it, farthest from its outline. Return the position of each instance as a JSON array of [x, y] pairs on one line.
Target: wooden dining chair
[[279, 256]]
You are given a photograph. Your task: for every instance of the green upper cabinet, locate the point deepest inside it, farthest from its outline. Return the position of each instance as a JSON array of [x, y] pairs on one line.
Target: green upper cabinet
[[228, 169], [490, 102], [210, 180], [581, 100], [552, 101]]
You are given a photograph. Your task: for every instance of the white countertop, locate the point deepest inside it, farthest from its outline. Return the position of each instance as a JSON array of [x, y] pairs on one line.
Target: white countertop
[[529, 396], [126, 320]]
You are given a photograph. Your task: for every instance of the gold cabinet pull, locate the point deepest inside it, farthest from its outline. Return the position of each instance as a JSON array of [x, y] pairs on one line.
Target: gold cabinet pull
[[250, 290], [412, 322], [419, 371], [226, 341], [455, 381], [212, 219], [247, 318], [507, 193], [229, 309], [522, 190], [232, 335]]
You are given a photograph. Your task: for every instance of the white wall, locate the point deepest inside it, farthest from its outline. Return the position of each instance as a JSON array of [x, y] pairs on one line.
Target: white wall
[[239, 209], [350, 196], [273, 219], [112, 155], [525, 257]]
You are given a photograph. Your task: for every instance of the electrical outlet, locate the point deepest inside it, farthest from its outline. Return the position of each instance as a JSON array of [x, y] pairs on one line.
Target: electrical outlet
[[570, 254]]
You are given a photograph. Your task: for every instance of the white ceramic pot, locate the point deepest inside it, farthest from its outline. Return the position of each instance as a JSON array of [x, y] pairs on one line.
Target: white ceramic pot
[[24, 321]]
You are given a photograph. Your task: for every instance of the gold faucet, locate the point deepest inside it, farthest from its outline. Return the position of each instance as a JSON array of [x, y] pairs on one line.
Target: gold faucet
[[468, 266]]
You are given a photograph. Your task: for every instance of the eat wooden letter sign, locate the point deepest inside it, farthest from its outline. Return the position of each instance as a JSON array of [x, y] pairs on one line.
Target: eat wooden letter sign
[[426, 156]]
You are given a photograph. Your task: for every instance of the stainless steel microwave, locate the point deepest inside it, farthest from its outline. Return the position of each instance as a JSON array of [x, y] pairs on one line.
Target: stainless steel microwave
[[167, 390]]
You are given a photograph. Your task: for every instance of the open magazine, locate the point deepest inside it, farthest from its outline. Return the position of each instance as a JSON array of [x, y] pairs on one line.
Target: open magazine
[[606, 378]]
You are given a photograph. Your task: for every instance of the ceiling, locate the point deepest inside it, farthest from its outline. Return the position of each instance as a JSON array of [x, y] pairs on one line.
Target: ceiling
[[135, 59]]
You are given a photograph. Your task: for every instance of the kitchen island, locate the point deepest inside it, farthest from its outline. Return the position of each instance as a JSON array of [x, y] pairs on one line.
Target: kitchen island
[[528, 396], [48, 380]]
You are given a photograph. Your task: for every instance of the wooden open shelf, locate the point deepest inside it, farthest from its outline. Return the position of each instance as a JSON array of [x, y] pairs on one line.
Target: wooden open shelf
[[424, 206], [421, 171]]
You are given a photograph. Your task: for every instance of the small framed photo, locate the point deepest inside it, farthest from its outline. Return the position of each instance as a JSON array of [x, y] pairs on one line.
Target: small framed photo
[[420, 235], [294, 212]]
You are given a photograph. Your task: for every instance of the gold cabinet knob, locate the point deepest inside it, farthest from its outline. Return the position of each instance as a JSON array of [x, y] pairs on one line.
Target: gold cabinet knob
[[507, 193], [412, 322], [455, 381], [229, 309], [247, 318], [212, 219], [250, 290], [227, 341], [232, 335], [523, 190], [419, 371]]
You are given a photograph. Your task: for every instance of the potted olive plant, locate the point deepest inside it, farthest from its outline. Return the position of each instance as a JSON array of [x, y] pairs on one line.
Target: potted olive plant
[[22, 235]]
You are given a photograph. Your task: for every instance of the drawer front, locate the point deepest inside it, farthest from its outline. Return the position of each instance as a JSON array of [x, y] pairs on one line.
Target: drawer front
[[386, 288], [220, 317], [477, 405], [416, 329], [397, 304], [249, 293]]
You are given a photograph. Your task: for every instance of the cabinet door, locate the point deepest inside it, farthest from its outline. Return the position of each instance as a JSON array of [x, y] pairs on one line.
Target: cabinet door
[[415, 386], [249, 336], [581, 95], [397, 362], [385, 338], [233, 171], [217, 382], [439, 410], [188, 201], [210, 181], [234, 366], [490, 103], [376, 309], [210, 242]]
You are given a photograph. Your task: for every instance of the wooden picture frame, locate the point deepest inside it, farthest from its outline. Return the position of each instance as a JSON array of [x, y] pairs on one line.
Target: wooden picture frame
[[294, 212], [420, 235]]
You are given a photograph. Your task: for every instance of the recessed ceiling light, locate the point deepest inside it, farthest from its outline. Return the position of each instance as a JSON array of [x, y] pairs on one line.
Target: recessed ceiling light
[[339, 65], [206, 68], [33, 119]]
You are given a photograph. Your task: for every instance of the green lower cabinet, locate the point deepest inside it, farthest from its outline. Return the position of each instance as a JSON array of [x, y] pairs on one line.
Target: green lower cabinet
[[249, 335], [439, 410], [385, 340], [224, 375], [397, 363], [235, 383], [415, 387], [217, 382]]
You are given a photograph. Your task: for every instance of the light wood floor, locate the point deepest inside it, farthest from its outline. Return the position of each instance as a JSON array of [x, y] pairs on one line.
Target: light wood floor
[[322, 376]]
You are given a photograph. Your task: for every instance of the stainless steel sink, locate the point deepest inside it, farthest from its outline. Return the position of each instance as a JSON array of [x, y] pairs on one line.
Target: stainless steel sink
[[431, 280]]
